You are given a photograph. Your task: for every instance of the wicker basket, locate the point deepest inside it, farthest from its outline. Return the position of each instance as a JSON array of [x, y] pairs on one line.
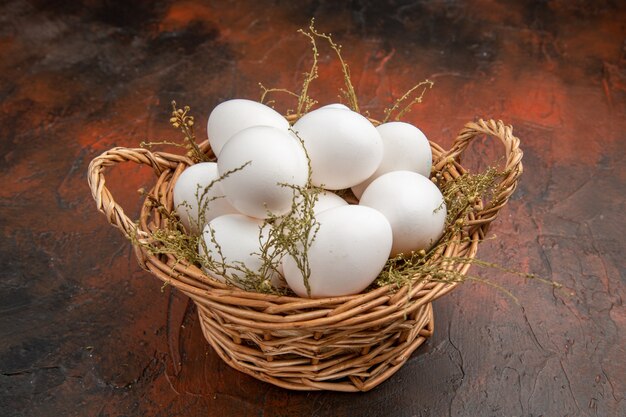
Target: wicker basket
[[350, 343]]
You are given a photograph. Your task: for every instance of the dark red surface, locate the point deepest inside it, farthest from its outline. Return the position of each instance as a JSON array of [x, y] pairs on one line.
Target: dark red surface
[[85, 332]]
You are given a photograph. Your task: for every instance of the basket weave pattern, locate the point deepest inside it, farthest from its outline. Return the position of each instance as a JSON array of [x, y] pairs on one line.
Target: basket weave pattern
[[350, 343]]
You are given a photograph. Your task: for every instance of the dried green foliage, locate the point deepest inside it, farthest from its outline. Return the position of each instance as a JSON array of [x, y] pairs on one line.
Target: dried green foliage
[[292, 234], [170, 240], [203, 198], [420, 90], [267, 91], [349, 94], [465, 193], [288, 235], [150, 144], [305, 102], [234, 272], [182, 120]]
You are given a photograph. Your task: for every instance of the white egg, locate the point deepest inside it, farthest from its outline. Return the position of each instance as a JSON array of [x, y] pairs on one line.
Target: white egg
[[405, 147], [349, 251], [239, 239], [343, 146], [191, 192], [326, 201], [232, 116], [335, 106], [273, 158], [413, 205]]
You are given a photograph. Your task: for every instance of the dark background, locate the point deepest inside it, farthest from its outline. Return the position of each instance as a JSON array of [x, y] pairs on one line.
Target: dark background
[[85, 332]]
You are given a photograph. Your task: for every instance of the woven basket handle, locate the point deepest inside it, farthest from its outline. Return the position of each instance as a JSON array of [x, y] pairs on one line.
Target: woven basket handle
[[104, 200], [512, 169]]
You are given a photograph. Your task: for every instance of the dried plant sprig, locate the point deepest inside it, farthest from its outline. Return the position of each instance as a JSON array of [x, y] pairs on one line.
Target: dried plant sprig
[[150, 144], [349, 93], [293, 233], [424, 85], [266, 91], [464, 193], [213, 261], [305, 102], [287, 235], [233, 272], [203, 200], [174, 240], [182, 120]]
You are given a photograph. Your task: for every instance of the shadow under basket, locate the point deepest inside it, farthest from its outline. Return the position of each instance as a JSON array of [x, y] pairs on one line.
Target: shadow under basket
[[350, 343]]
